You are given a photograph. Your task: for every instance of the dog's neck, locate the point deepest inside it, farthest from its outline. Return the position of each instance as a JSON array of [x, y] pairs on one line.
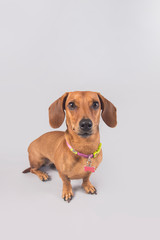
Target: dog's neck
[[86, 145]]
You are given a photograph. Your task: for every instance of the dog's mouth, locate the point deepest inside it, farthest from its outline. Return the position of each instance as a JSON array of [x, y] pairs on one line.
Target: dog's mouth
[[85, 134]]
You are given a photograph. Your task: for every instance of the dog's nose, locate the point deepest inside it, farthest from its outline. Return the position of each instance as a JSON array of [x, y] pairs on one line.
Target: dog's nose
[[85, 124]]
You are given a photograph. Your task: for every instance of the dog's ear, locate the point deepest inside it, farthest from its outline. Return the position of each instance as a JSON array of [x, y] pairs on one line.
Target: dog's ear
[[109, 114], [56, 111]]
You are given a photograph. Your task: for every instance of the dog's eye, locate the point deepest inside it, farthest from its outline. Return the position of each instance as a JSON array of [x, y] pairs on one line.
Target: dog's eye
[[95, 105], [71, 105]]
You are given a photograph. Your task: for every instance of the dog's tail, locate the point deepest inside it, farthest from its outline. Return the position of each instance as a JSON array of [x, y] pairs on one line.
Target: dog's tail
[[27, 170]]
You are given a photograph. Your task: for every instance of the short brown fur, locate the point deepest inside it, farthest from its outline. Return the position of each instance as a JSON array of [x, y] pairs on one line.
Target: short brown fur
[[52, 145]]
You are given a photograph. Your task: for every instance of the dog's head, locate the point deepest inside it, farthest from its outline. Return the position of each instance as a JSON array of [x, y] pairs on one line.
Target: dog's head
[[83, 111]]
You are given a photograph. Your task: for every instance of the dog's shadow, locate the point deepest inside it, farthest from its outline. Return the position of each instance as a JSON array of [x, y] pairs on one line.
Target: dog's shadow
[[48, 168]]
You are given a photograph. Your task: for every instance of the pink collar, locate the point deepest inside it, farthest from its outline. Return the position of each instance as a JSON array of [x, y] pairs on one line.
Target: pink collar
[[93, 155], [78, 153]]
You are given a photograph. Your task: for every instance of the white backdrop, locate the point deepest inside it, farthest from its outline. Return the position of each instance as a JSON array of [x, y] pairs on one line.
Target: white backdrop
[[48, 48]]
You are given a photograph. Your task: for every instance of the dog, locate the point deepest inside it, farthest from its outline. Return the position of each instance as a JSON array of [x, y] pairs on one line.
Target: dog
[[75, 153]]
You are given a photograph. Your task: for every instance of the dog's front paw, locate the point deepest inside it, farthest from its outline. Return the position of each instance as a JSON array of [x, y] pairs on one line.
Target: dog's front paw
[[89, 188], [67, 195]]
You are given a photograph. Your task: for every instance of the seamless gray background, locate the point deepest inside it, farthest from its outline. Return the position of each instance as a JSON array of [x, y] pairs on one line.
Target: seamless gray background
[[48, 48]]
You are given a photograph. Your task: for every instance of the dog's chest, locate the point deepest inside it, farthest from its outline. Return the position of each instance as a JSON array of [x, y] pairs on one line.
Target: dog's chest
[[74, 168]]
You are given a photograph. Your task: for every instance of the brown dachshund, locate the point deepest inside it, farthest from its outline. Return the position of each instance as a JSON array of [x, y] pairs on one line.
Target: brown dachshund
[[76, 153]]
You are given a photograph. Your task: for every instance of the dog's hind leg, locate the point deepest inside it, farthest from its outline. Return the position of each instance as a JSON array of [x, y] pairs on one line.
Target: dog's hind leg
[[42, 175], [36, 162]]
